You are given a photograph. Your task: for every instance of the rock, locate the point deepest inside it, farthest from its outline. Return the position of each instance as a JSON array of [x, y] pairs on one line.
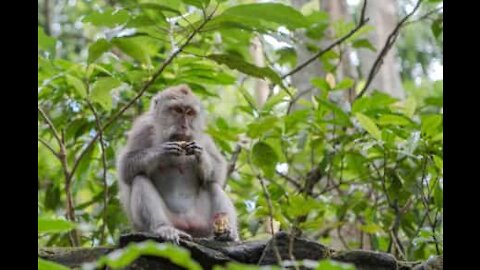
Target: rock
[[73, 257], [367, 260], [302, 249], [205, 256]]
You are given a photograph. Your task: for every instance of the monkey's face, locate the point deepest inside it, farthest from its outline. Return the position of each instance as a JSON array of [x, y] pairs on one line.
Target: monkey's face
[[178, 115]]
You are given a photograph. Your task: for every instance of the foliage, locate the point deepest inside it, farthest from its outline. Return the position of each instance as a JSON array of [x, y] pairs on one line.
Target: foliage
[[380, 160]]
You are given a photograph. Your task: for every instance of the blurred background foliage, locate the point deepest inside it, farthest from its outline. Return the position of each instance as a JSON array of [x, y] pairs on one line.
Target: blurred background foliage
[[349, 172]]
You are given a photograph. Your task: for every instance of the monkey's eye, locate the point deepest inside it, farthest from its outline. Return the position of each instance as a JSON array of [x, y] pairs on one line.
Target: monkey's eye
[[177, 109], [190, 112]]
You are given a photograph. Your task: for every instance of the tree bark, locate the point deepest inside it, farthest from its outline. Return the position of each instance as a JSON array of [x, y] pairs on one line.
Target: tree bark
[[383, 16]]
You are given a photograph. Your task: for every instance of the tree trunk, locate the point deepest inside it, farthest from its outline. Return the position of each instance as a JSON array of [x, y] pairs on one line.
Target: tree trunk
[[383, 15]]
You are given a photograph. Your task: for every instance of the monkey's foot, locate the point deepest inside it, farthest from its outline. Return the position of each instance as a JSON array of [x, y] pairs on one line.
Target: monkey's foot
[[169, 233]]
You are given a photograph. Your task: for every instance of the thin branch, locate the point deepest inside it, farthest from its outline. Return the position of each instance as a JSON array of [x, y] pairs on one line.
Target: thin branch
[[141, 92], [296, 98], [104, 174], [360, 24], [62, 156], [233, 160], [386, 48], [48, 146], [50, 124], [290, 180], [425, 16], [270, 211]]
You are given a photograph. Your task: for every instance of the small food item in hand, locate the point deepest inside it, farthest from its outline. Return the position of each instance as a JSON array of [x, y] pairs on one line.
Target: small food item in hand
[[221, 226], [182, 143]]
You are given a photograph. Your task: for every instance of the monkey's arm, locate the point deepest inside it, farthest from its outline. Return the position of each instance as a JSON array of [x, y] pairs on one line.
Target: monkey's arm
[[137, 162], [142, 162], [212, 166]]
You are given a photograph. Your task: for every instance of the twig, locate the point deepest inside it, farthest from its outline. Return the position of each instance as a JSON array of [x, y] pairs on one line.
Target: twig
[[270, 212], [62, 157], [360, 24], [48, 146], [425, 16], [296, 98], [289, 179], [388, 45], [104, 175], [233, 160], [141, 92]]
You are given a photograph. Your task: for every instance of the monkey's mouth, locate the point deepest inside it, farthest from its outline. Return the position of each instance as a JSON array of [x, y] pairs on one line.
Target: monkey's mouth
[[180, 137]]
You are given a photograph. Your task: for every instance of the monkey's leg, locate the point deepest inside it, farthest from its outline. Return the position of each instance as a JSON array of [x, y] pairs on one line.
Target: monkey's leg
[[149, 212], [221, 203]]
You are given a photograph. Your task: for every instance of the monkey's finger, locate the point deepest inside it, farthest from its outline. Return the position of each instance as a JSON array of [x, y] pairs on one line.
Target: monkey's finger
[[185, 235], [173, 149]]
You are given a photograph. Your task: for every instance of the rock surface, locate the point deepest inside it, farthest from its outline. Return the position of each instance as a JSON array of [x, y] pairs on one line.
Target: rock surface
[[261, 252]]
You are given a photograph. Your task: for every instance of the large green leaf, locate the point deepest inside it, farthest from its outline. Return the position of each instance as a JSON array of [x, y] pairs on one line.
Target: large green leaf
[[96, 49], [272, 12], [369, 125], [101, 91], [264, 157], [77, 84], [45, 42], [235, 62], [334, 265], [48, 265], [259, 127], [363, 43], [108, 18], [124, 257], [133, 49], [431, 123], [49, 225]]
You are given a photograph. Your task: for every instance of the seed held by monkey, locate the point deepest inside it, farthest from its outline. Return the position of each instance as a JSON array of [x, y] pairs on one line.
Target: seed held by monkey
[[221, 227]]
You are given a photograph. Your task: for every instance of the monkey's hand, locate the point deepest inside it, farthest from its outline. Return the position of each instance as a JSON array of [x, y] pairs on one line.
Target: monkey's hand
[[172, 148], [169, 233], [192, 148]]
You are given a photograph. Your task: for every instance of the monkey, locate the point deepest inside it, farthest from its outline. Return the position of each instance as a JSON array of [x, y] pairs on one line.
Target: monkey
[[171, 174]]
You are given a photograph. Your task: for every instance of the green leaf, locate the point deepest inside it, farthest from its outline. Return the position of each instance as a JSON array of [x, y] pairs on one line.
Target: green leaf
[[101, 91], [49, 225], [195, 3], [430, 124], [437, 27], [45, 42], [123, 257], [369, 125], [133, 49], [371, 228], [108, 18], [77, 84], [48, 265], [271, 12], [96, 49], [264, 157], [392, 119], [363, 43], [438, 161], [410, 106], [261, 126], [344, 84], [334, 265], [321, 84], [235, 62], [161, 8], [275, 100]]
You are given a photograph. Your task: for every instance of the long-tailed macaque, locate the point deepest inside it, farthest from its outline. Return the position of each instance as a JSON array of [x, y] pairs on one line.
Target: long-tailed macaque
[[171, 173]]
